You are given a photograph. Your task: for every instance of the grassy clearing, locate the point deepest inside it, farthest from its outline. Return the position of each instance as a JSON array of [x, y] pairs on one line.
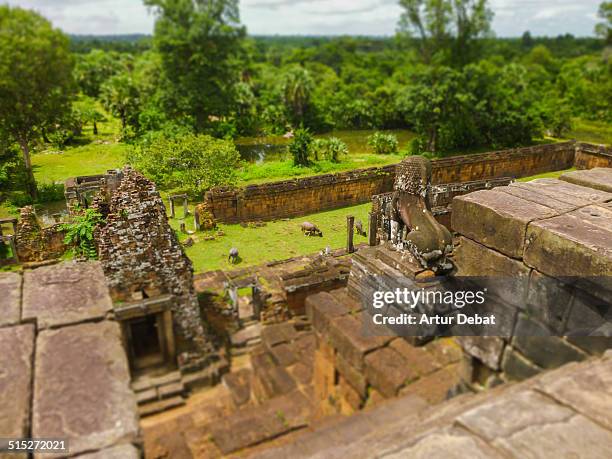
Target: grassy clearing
[[91, 154], [553, 175], [591, 131], [277, 240]]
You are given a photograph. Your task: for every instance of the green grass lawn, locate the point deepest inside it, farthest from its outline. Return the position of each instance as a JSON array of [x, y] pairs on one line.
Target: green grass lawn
[[278, 240], [554, 175], [591, 131], [92, 154]]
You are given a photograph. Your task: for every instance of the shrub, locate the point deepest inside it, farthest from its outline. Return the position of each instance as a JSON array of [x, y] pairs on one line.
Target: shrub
[[331, 149], [383, 144], [50, 192], [300, 147], [194, 163], [80, 234]]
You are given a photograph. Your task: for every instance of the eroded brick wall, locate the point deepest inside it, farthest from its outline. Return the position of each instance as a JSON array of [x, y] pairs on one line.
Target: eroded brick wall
[[292, 198], [35, 243]]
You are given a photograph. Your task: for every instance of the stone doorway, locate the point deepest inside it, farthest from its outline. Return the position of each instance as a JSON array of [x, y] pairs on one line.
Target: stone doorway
[[146, 342], [148, 334]]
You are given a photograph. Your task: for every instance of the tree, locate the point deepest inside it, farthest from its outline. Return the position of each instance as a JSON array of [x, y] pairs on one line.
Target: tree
[[446, 30], [120, 96], [35, 79], [604, 29], [199, 42], [194, 163], [93, 69], [297, 90]]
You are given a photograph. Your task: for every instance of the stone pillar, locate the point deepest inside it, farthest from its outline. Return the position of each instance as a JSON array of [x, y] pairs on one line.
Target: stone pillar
[[171, 207], [183, 228], [350, 220], [185, 207], [196, 220], [372, 228]]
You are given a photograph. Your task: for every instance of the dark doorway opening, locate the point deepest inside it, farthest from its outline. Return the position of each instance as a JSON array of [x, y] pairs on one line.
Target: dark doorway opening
[[145, 340]]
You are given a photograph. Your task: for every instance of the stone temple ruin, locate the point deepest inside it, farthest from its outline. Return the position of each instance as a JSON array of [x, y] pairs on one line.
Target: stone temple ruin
[[294, 365]]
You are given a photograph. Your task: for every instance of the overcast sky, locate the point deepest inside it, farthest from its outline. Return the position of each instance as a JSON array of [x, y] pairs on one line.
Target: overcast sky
[[318, 17]]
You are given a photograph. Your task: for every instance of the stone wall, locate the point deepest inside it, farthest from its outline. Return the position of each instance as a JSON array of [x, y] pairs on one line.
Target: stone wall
[[551, 241], [292, 198], [35, 243], [589, 156], [142, 257]]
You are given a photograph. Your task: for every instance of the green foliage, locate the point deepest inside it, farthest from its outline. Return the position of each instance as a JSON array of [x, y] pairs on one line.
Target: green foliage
[[194, 163], [80, 234], [50, 192], [92, 70], [300, 147], [331, 149], [121, 97], [447, 31], [35, 79], [604, 29], [199, 43], [383, 143]]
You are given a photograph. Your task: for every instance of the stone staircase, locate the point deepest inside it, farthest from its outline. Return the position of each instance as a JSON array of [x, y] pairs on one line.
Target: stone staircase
[[159, 393]]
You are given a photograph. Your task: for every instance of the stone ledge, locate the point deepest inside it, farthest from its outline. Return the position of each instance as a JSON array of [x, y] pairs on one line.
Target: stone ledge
[[599, 178]]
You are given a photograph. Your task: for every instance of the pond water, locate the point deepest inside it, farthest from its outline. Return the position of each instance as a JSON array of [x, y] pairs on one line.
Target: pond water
[[274, 148]]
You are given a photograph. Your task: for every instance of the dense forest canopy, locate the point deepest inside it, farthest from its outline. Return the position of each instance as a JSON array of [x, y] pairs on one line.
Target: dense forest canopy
[[444, 75]]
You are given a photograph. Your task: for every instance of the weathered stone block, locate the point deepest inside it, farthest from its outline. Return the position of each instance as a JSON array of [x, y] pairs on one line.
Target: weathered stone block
[[347, 338], [535, 343], [448, 442], [516, 367], [497, 219], [387, 371], [16, 348], [578, 244], [10, 298], [588, 316], [239, 385], [65, 294], [549, 300], [434, 387], [599, 178], [321, 308], [527, 424], [508, 277], [487, 349], [588, 391], [418, 358], [81, 391], [563, 192], [352, 376]]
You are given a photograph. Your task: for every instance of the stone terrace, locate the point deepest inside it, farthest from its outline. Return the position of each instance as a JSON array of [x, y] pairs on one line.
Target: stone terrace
[[563, 413], [64, 370]]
